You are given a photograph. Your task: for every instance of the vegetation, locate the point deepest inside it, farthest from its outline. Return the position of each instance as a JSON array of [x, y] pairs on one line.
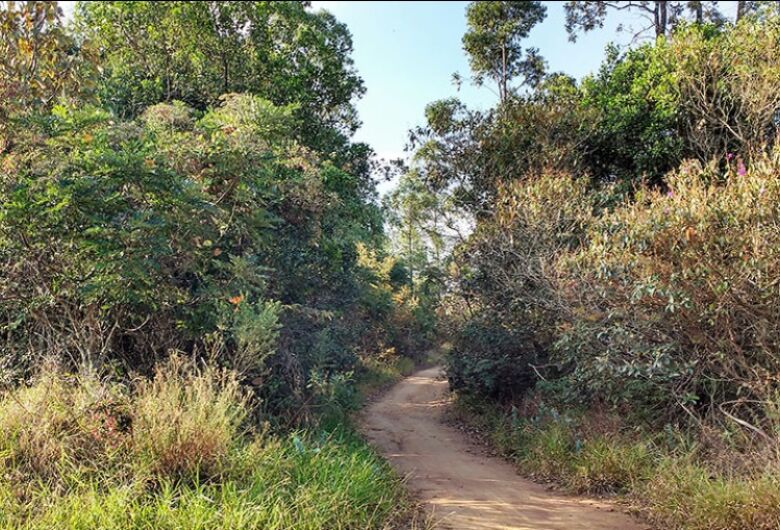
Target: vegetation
[[196, 281], [171, 452], [199, 280], [613, 309]]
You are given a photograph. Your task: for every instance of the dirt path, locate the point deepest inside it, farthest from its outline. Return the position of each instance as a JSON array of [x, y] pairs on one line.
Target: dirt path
[[464, 488]]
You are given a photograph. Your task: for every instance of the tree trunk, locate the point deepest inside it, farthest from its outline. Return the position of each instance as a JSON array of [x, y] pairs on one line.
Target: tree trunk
[[502, 87], [660, 18], [699, 12], [741, 9]]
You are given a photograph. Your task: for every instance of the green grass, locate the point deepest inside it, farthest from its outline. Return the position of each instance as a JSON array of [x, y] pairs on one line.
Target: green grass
[[375, 375], [176, 452], [299, 482], [676, 488]]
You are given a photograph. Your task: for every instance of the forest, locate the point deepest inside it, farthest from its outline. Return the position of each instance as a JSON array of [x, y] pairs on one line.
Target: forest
[[201, 285]]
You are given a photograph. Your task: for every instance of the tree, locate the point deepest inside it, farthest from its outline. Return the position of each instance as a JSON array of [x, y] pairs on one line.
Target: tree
[[662, 16], [493, 42], [196, 51], [39, 62], [742, 9]]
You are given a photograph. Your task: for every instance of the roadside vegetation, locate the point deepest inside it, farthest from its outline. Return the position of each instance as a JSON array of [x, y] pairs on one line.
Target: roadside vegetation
[[196, 285], [199, 281], [613, 307]]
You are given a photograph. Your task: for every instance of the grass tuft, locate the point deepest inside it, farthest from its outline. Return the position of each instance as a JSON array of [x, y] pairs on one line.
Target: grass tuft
[[675, 485]]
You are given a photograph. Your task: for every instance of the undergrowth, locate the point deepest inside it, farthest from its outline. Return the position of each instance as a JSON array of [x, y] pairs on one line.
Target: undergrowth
[[177, 451], [671, 480], [375, 375]]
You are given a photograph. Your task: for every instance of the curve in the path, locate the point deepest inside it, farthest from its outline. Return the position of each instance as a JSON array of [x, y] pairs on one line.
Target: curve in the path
[[461, 486]]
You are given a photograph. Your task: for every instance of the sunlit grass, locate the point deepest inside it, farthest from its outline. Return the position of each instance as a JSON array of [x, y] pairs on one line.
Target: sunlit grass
[[675, 488], [173, 453]]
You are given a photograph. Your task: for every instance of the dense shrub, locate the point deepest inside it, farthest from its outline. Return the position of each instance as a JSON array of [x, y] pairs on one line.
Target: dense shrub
[[676, 292], [643, 279], [216, 234], [507, 275]]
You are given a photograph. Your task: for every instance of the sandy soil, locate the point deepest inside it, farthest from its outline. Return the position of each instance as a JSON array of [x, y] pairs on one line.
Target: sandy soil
[[463, 487]]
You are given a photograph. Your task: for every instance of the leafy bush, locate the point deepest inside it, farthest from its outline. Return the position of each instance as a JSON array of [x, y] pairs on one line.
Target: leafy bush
[[215, 234], [508, 277], [490, 360], [675, 293]]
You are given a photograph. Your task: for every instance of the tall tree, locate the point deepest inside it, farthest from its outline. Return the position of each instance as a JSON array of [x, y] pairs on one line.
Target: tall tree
[[493, 42], [661, 16], [196, 51]]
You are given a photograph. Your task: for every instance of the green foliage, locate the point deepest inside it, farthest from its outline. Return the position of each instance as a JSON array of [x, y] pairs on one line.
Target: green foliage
[[491, 360], [39, 61], [636, 130], [653, 289], [212, 233], [506, 274], [195, 52], [493, 39]]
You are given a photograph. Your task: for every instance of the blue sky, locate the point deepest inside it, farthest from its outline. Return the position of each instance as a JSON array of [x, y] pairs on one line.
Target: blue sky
[[406, 52]]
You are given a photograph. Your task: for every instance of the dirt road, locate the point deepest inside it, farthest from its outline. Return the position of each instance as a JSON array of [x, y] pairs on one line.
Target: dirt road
[[464, 488]]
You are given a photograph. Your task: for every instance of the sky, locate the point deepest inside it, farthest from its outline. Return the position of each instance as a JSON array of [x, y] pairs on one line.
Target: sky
[[406, 53]]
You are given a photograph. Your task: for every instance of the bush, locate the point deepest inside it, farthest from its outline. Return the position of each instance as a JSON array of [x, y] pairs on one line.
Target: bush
[[507, 274], [215, 234], [675, 294], [491, 361]]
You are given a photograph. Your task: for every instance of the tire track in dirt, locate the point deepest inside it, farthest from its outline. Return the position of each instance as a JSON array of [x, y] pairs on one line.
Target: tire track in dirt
[[463, 488]]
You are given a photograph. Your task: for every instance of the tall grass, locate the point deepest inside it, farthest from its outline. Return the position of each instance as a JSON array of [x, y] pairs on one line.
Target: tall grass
[[671, 481], [81, 452]]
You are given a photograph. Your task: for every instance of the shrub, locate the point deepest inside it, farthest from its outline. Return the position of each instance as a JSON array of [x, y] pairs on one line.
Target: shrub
[[675, 294], [738, 110], [215, 234], [508, 277], [187, 419]]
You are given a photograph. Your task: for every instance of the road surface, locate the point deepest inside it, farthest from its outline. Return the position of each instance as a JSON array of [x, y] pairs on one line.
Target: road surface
[[457, 482]]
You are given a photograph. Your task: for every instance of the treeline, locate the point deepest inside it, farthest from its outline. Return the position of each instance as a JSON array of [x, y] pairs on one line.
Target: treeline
[[624, 225], [179, 177], [617, 294]]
